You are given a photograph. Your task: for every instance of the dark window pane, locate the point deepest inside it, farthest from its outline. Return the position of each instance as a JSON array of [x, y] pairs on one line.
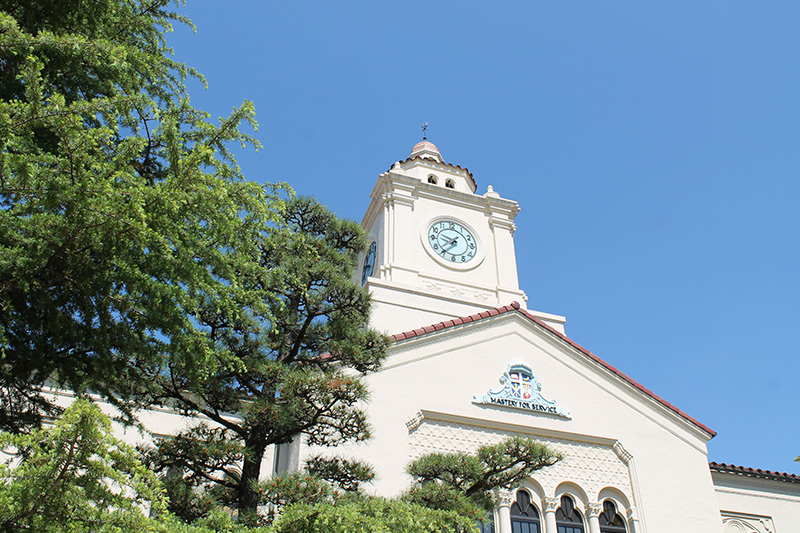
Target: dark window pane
[[485, 527]]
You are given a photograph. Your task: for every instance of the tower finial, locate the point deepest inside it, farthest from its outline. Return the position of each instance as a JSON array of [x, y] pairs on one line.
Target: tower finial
[[424, 131]]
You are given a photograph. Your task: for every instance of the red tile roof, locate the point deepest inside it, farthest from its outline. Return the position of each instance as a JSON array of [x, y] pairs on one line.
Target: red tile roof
[[753, 472], [514, 306]]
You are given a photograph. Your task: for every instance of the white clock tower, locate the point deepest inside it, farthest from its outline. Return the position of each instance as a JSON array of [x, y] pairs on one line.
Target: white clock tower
[[438, 250]]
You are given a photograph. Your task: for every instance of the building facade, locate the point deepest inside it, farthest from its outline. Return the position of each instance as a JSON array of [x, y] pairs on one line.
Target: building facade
[[471, 365]]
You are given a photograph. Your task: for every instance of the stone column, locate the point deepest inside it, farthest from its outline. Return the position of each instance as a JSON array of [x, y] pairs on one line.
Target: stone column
[[593, 510], [633, 520], [550, 506], [504, 501]]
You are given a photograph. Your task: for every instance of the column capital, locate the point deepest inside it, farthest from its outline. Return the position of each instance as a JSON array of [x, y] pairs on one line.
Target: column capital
[[551, 504], [504, 497], [594, 509]]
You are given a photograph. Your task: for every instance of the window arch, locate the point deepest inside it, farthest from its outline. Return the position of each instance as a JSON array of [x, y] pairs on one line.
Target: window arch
[[524, 516], [450, 184], [432, 179], [610, 520], [568, 519]]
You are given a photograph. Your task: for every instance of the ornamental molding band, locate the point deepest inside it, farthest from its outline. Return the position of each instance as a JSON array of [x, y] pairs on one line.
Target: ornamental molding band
[[521, 390], [590, 465], [458, 291], [743, 523]]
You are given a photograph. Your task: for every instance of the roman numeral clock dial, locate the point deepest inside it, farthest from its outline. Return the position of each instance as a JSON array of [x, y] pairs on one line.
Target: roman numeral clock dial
[[452, 241]]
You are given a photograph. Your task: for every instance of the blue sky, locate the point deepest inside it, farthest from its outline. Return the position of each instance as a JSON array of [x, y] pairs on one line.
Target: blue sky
[[652, 146]]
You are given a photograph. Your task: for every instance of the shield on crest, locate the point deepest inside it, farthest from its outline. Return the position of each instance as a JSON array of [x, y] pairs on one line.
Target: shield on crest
[[521, 390], [521, 386]]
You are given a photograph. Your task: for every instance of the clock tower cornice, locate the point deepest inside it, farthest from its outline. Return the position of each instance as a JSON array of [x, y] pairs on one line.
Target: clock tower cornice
[[399, 189], [390, 189], [496, 205]]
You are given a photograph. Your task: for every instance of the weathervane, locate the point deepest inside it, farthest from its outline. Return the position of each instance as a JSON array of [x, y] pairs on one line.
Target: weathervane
[[424, 131]]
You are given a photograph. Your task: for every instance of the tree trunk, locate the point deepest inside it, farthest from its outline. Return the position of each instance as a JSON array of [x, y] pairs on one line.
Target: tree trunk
[[251, 471]]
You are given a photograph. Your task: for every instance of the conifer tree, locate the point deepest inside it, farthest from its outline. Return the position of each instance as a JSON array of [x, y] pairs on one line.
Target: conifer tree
[[122, 211], [289, 363], [76, 477], [465, 482], [450, 492]]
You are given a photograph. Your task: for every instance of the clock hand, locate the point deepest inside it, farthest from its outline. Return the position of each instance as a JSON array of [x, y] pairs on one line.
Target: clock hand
[[452, 241]]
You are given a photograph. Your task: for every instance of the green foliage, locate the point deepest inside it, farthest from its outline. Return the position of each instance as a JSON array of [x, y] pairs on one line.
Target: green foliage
[[324, 480], [464, 483], [370, 516], [75, 477], [91, 49], [290, 361], [345, 475], [450, 494], [136, 263], [122, 213]]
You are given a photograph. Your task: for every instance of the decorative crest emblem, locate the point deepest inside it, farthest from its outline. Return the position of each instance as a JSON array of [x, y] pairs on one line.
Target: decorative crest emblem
[[521, 390]]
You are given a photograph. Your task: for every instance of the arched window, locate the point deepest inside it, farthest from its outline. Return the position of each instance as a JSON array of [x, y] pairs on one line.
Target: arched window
[[568, 519], [610, 521], [432, 179], [450, 184], [524, 516]]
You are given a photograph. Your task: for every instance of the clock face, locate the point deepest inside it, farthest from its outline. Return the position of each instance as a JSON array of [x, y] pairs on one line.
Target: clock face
[[369, 263], [452, 241]]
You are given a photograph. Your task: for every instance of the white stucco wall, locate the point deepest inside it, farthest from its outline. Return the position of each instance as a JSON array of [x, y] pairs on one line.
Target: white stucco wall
[[669, 483], [757, 505]]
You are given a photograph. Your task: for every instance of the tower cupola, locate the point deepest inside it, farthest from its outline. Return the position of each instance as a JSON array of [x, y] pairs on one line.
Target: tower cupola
[[426, 150]]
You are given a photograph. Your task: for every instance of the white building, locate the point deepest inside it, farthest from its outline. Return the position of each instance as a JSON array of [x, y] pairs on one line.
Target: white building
[[470, 364]]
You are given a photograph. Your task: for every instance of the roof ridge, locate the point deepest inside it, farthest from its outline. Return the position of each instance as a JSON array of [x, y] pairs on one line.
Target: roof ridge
[[754, 472], [454, 322], [515, 306]]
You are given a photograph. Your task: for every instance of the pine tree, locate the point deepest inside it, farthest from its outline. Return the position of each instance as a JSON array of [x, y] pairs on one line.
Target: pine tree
[[450, 492], [288, 365], [465, 482]]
